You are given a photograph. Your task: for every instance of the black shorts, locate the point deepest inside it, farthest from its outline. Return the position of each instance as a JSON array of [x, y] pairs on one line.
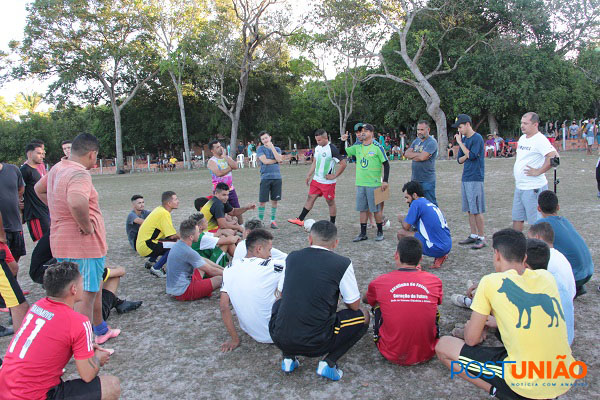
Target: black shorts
[[38, 227], [272, 187], [11, 294], [483, 354], [16, 243], [109, 300], [76, 389]]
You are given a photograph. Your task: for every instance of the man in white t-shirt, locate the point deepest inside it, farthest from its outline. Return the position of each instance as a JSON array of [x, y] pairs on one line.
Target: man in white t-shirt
[[534, 153], [240, 250], [250, 284]]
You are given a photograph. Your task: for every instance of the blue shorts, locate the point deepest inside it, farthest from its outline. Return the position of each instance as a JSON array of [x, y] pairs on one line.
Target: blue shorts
[[433, 251], [91, 269]]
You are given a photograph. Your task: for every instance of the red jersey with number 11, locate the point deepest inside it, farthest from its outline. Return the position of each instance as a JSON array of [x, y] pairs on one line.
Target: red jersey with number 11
[[50, 334]]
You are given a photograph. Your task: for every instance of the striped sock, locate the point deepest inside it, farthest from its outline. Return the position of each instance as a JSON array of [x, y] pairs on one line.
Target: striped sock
[[273, 213], [261, 212]]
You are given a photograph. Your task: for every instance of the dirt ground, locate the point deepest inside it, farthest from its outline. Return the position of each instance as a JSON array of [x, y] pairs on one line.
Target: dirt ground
[[170, 350]]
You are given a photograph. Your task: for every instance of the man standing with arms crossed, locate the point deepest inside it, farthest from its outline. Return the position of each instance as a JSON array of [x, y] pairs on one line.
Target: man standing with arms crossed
[[471, 153], [323, 182], [534, 153], [220, 166], [423, 152], [270, 176], [77, 232], [370, 160]]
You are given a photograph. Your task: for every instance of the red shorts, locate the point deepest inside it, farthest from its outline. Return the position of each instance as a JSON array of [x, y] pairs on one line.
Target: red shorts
[[198, 289], [327, 190], [8, 257]]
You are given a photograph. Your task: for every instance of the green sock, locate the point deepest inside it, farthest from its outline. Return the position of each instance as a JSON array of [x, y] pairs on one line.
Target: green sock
[[273, 213], [261, 212]]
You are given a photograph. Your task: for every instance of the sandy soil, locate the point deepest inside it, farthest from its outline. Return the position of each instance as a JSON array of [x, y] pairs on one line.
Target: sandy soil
[[170, 350]]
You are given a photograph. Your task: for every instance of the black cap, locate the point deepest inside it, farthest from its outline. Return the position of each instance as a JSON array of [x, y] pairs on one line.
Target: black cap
[[461, 119]]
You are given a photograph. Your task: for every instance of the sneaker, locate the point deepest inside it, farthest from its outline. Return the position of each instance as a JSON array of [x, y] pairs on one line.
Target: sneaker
[[159, 273], [6, 331], [360, 237], [460, 300], [379, 237], [127, 306], [479, 244], [469, 240], [324, 370], [296, 221], [111, 333], [439, 261], [289, 364], [274, 225], [149, 264]]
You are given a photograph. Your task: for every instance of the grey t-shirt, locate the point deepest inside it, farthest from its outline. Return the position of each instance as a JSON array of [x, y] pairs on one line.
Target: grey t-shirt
[[270, 171], [181, 263], [10, 182], [131, 227], [424, 171]]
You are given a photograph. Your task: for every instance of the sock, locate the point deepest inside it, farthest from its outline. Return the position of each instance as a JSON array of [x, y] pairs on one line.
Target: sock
[[261, 213], [303, 214], [379, 227], [481, 237], [101, 329], [363, 229], [332, 219], [474, 235], [273, 213]]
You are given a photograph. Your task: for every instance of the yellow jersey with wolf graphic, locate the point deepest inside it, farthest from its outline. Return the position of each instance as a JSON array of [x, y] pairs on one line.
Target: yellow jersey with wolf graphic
[[531, 322]]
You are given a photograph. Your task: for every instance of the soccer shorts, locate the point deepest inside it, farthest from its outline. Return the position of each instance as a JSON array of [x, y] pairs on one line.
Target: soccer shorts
[[233, 199], [473, 197], [92, 270], [38, 227], [327, 190], [16, 243], [76, 389], [270, 188], [11, 294], [109, 300], [198, 288], [8, 257], [365, 199]]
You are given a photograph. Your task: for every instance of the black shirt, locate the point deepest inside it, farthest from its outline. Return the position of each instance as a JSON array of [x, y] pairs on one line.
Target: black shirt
[[34, 207], [307, 310], [10, 182]]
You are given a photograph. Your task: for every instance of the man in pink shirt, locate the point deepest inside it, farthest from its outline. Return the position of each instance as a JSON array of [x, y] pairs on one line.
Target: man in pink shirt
[[77, 232]]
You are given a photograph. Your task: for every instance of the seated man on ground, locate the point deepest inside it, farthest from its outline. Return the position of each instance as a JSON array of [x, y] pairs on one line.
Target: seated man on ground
[[406, 297], [511, 294], [304, 321], [157, 234], [251, 284], [216, 249], [240, 249], [135, 218], [567, 240], [41, 259], [189, 276], [51, 333], [538, 257], [217, 208], [432, 229]]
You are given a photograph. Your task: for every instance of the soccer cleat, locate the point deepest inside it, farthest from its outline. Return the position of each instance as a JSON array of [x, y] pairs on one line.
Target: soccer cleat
[[127, 306], [159, 273], [439, 261], [148, 264], [111, 333], [296, 221], [379, 237], [460, 300], [288, 365], [469, 240], [360, 237], [479, 244], [274, 225], [324, 370]]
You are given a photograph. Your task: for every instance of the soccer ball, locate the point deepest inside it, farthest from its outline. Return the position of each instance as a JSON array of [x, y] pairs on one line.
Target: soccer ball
[[308, 224]]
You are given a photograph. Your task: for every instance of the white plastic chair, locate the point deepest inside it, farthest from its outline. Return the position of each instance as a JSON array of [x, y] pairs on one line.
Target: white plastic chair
[[253, 160], [240, 160]]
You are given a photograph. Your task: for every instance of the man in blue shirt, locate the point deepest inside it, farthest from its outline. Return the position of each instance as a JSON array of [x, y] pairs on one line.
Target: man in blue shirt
[[471, 153], [270, 176], [567, 240], [423, 152], [431, 226]]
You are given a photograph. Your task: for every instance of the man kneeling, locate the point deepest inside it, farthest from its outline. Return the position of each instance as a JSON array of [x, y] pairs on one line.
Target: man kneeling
[[186, 269], [51, 333], [304, 321], [250, 284], [406, 297]]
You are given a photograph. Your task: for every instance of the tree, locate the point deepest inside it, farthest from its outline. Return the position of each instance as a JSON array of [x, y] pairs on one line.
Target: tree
[[28, 102], [97, 50]]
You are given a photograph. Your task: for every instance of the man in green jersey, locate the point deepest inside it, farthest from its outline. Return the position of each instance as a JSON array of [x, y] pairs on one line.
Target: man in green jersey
[[323, 182], [370, 160]]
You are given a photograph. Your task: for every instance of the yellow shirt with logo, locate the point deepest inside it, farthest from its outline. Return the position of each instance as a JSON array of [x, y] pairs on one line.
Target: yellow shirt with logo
[[524, 306], [157, 225]]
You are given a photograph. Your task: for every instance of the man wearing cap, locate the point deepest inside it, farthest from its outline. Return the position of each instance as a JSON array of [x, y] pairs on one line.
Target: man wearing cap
[[471, 154], [573, 130], [423, 152], [534, 153]]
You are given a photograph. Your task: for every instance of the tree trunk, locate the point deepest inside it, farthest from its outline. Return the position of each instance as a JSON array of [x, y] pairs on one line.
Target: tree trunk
[[186, 145], [493, 123], [118, 137], [235, 119], [439, 116]]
